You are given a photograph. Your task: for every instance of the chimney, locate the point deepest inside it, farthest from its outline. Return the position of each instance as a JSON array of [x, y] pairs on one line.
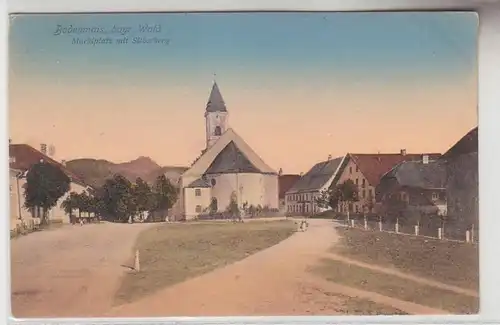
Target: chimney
[[425, 159], [43, 148], [280, 172], [10, 140], [329, 157], [403, 152], [301, 173], [63, 162]]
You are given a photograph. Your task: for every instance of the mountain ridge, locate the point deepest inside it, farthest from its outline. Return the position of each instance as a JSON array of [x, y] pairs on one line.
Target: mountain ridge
[[95, 171]]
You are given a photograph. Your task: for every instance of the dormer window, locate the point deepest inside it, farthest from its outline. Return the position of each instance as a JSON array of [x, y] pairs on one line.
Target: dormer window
[[217, 131]]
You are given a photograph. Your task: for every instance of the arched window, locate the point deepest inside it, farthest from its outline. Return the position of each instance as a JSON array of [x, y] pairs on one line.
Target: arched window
[[213, 205], [217, 131]]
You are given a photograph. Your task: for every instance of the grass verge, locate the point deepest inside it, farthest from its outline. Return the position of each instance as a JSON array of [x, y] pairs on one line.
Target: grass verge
[[172, 253], [448, 262], [391, 286]]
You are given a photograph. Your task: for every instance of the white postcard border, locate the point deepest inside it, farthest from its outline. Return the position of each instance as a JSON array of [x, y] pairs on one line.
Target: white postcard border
[[489, 142]]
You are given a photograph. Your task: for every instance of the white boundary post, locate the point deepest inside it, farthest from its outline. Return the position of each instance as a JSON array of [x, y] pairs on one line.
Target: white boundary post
[[440, 233], [416, 230], [467, 236], [366, 224], [137, 264]]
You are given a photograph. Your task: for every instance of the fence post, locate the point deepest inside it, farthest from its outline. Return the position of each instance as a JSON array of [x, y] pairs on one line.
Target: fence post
[[416, 230], [380, 224], [366, 224], [137, 264], [472, 234], [467, 236], [396, 226], [440, 233], [352, 223]]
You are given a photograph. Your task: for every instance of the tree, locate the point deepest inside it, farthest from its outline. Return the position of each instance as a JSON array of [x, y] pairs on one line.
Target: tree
[[165, 193], [142, 196], [45, 185], [341, 194], [69, 204], [117, 199]]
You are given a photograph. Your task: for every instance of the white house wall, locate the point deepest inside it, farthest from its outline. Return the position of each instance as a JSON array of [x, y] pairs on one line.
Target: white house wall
[[191, 201], [57, 213]]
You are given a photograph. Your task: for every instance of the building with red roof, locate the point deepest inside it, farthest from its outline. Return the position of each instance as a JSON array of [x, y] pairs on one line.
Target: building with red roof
[[366, 171], [21, 158]]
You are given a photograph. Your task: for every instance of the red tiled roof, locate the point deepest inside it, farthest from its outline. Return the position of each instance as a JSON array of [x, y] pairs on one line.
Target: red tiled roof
[[285, 182], [374, 166], [26, 156]]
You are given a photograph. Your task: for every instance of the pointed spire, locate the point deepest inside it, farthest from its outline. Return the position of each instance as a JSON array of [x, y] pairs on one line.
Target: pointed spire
[[215, 102]]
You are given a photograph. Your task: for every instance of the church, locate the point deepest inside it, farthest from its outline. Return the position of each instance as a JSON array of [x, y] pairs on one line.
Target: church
[[227, 168]]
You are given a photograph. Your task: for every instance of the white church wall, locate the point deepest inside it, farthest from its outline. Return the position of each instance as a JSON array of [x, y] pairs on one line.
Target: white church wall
[[192, 202], [255, 189], [271, 198]]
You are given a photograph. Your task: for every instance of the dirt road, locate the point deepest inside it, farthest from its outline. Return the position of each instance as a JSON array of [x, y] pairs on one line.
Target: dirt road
[[69, 272]]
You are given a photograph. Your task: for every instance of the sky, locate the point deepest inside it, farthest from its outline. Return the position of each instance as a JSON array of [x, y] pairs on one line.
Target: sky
[[298, 86]]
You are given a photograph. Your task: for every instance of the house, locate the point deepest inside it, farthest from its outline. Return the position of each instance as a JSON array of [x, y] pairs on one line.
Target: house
[[228, 169], [301, 197], [413, 188], [366, 170], [285, 182], [462, 187], [23, 156], [16, 203]]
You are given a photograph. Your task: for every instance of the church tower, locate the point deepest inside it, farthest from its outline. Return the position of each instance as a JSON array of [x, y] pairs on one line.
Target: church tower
[[215, 116]]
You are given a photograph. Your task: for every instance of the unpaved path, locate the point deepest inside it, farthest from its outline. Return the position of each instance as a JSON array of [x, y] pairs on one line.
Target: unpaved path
[[275, 281], [69, 272], [266, 283]]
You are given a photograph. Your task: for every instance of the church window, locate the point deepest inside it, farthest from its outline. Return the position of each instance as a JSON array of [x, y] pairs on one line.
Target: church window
[[198, 208], [217, 131], [213, 181], [197, 192]]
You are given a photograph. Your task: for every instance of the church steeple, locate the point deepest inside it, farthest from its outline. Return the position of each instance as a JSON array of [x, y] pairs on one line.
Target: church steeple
[[215, 116], [215, 101]]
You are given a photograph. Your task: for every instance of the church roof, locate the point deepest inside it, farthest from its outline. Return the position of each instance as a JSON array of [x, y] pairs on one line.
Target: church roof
[[200, 182], [231, 160], [215, 102]]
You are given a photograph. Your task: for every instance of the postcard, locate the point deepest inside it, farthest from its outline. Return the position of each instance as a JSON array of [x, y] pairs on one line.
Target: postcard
[[243, 164]]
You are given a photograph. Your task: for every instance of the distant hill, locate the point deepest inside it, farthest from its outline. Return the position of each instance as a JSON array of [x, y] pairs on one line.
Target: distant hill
[[96, 171]]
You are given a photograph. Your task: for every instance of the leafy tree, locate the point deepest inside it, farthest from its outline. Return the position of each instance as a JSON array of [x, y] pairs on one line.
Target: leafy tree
[[142, 196], [45, 185], [117, 198], [339, 195], [165, 193], [69, 204]]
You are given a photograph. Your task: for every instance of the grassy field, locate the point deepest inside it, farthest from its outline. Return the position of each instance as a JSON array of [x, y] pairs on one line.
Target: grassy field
[[448, 262], [391, 286], [172, 253]]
